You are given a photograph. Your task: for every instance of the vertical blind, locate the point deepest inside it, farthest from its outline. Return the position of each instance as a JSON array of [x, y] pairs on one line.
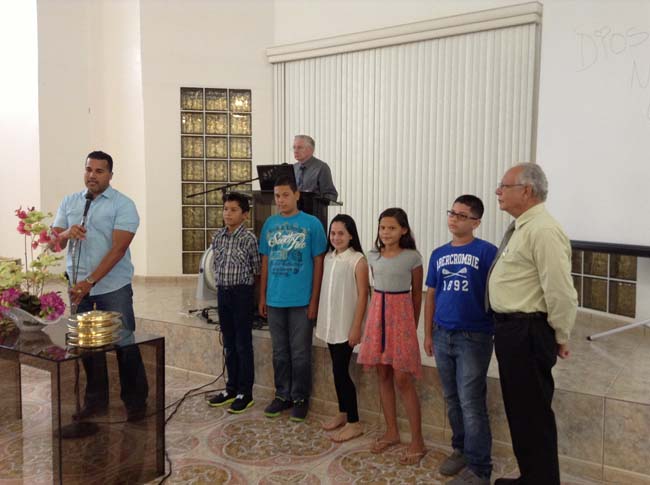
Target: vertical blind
[[415, 125]]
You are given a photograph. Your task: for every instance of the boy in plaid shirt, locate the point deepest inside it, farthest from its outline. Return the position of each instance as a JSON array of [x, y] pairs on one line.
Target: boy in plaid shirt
[[236, 265]]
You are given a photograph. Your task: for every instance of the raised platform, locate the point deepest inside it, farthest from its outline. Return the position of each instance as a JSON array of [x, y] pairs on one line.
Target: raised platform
[[602, 400]]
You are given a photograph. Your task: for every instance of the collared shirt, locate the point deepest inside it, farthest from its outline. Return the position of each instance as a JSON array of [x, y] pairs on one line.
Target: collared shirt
[[236, 258], [533, 273], [315, 176], [110, 211], [338, 296]]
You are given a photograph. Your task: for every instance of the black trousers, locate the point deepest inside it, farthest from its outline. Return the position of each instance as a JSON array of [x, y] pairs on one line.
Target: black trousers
[[526, 350], [236, 322], [345, 390]]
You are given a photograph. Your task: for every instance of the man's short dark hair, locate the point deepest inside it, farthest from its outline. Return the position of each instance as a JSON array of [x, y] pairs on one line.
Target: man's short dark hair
[[474, 203], [99, 155], [284, 180], [241, 199]]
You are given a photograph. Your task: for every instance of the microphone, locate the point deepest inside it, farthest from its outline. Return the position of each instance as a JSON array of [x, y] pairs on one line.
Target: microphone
[[89, 198]]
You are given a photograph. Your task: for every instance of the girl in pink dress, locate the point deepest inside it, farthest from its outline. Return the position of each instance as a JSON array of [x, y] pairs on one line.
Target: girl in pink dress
[[390, 342]]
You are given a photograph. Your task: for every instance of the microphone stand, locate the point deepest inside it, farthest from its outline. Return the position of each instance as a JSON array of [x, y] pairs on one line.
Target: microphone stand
[[78, 429]]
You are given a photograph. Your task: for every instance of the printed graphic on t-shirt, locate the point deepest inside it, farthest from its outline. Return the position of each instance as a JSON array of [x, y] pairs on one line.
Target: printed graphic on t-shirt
[[286, 243], [456, 279]]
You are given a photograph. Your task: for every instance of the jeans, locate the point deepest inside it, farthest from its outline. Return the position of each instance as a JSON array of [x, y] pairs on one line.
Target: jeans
[[291, 335], [133, 379], [463, 358], [345, 390], [527, 351], [235, 306]]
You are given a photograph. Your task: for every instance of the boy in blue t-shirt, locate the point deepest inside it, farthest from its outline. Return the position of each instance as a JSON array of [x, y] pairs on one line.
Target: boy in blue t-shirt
[[293, 246], [460, 333]]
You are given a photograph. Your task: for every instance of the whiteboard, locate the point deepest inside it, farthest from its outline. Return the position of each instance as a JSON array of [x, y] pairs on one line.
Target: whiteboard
[[594, 118]]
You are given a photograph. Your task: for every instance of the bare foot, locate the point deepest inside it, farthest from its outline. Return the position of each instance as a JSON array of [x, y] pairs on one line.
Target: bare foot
[[414, 452], [386, 441], [336, 422]]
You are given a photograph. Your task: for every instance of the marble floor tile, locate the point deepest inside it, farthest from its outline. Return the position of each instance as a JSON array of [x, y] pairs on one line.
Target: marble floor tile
[[210, 446]]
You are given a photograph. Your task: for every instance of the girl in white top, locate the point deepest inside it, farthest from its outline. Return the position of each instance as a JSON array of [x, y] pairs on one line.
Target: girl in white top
[[342, 306]]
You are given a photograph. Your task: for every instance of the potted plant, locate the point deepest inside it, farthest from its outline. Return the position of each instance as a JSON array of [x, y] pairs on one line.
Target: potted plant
[[22, 295]]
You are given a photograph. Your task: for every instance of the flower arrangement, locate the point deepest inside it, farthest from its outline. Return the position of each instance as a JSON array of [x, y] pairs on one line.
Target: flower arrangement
[[22, 287]]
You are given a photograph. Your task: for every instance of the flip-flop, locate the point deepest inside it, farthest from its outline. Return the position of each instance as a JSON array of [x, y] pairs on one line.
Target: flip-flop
[[412, 458], [379, 446]]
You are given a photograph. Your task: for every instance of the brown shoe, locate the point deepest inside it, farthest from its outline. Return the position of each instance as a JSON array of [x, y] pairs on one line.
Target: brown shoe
[[347, 432], [336, 422]]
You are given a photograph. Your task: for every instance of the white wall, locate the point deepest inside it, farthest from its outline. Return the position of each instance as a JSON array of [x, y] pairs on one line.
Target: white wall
[[301, 20], [91, 99], [19, 160], [196, 43]]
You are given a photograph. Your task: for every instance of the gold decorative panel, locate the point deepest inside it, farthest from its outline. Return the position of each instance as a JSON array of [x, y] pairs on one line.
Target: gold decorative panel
[[192, 170], [193, 217], [216, 171], [189, 189], [595, 294], [622, 267], [243, 188], [192, 98], [192, 123], [240, 148], [215, 197], [191, 262], [596, 263], [240, 101], [192, 146], [193, 240], [216, 123], [208, 238], [216, 147], [240, 124], [576, 261], [577, 283], [214, 217], [240, 171], [216, 100], [622, 298]]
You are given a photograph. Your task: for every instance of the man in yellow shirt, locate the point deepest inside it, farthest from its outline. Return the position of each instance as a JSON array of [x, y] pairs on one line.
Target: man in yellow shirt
[[531, 292]]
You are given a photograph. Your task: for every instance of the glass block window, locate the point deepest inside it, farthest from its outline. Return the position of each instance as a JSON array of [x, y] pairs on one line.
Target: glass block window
[[605, 282], [216, 149]]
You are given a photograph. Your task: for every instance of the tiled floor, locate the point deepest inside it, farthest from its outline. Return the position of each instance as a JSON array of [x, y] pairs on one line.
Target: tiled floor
[[209, 446]]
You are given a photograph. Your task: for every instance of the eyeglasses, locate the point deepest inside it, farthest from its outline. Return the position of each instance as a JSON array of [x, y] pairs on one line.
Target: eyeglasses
[[461, 217], [507, 186]]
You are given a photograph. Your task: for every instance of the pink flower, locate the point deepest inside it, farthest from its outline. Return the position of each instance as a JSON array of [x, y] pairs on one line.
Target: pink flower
[[43, 238], [8, 299], [21, 228], [21, 214], [52, 306], [34, 244], [57, 243]]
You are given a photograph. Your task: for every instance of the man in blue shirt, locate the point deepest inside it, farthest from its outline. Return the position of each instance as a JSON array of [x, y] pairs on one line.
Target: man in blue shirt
[[461, 336], [292, 245], [101, 275]]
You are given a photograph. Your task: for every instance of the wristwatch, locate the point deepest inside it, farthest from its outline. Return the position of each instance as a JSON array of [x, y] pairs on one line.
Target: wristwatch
[[90, 280]]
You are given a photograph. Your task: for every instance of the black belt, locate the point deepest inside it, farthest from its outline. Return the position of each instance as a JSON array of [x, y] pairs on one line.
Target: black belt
[[383, 313], [504, 317]]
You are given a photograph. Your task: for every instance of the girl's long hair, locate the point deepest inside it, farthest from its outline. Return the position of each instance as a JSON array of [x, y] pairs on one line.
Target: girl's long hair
[[351, 227], [406, 241]]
